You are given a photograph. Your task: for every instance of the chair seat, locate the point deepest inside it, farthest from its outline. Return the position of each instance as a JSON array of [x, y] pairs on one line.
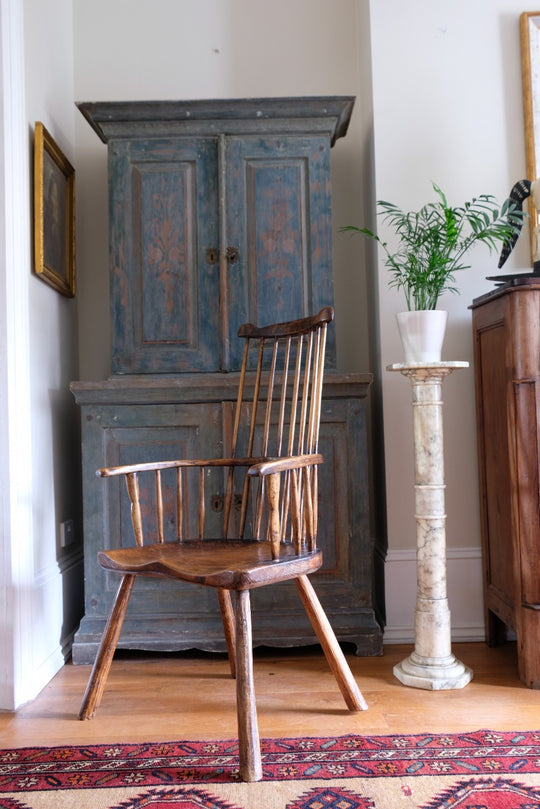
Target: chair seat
[[229, 564]]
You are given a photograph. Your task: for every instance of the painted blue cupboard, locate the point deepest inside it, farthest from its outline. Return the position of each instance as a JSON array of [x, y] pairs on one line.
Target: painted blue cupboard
[[219, 213]]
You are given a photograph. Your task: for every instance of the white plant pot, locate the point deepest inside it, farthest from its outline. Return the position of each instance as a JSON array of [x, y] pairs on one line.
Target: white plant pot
[[422, 334]]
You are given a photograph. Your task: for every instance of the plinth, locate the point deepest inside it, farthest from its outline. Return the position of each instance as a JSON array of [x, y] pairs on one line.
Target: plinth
[[432, 664]]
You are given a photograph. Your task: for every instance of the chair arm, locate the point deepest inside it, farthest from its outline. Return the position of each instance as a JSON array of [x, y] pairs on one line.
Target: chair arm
[[110, 471], [276, 465]]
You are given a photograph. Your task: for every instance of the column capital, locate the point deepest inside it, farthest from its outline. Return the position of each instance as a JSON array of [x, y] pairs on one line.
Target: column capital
[[427, 369]]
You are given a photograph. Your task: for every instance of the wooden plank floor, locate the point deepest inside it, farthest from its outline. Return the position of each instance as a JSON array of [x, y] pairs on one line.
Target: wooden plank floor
[[191, 696]]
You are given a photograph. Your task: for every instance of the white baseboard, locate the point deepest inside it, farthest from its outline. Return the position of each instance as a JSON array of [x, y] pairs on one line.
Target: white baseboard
[[464, 591]]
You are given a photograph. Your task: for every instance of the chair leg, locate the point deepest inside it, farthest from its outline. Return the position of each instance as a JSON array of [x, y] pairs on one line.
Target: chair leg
[[248, 731], [227, 616], [332, 650], [107, 646]]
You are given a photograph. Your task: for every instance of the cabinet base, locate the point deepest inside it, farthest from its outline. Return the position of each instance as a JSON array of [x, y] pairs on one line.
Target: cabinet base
[[170, 635], [524, 621]]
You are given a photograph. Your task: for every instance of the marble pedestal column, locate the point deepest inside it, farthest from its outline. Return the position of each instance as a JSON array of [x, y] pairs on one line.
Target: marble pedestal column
[[432, 664]]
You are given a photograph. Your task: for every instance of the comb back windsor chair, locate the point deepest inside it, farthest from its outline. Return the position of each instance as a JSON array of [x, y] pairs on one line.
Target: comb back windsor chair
[[269, 522]]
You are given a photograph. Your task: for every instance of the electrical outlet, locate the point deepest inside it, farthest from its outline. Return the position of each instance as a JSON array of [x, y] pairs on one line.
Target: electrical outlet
[[67, 533]]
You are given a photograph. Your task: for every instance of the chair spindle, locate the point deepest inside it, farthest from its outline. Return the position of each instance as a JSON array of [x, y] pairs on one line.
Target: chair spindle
[[159, 507], [202, 513], [132, 483], [180, 503]]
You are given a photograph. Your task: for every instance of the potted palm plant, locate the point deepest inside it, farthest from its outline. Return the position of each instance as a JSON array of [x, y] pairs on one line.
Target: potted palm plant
[[431, 247]]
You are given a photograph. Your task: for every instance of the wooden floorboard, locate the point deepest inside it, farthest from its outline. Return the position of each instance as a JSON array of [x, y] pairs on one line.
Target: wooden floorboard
[[191, 696]]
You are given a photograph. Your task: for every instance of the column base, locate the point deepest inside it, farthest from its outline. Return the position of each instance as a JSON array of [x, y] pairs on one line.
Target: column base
[[433, 674]]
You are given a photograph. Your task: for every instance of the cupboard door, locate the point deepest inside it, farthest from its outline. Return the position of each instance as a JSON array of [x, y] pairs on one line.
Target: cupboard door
[[344, 583], [278, 232], [506, 325], [495, 473], [164, 246], [123, 434]]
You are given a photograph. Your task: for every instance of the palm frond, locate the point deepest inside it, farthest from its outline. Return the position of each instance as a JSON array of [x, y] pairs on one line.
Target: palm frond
[[432, 242]]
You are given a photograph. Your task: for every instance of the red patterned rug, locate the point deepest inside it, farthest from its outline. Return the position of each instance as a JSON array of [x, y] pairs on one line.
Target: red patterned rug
[[480, 770]]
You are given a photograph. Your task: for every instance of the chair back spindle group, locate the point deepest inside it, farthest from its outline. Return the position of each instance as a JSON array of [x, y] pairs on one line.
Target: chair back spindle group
[[277, 414]]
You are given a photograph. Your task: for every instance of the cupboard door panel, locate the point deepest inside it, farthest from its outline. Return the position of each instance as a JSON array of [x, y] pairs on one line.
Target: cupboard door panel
[[278, 218], [129, 434], [495, 471], [164, 285]]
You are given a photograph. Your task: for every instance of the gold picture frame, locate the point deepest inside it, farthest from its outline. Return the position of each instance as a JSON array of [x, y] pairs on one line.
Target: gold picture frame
[[54, 214], [529, 23]]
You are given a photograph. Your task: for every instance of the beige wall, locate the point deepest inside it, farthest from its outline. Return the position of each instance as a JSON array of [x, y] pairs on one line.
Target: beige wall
[[40, 583], [56, 592], [447, 108], [454, 116]]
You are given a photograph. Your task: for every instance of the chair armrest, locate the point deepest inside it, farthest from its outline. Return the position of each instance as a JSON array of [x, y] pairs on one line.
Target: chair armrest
[[110, 471], [276, 465]]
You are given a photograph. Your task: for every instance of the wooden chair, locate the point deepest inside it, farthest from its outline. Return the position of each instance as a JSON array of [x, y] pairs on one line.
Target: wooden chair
[[269, 521]]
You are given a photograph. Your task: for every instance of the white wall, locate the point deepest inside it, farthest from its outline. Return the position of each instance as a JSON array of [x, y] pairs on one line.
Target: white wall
[[175, 49], [41, 584], [57, 594], [447, 108]]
